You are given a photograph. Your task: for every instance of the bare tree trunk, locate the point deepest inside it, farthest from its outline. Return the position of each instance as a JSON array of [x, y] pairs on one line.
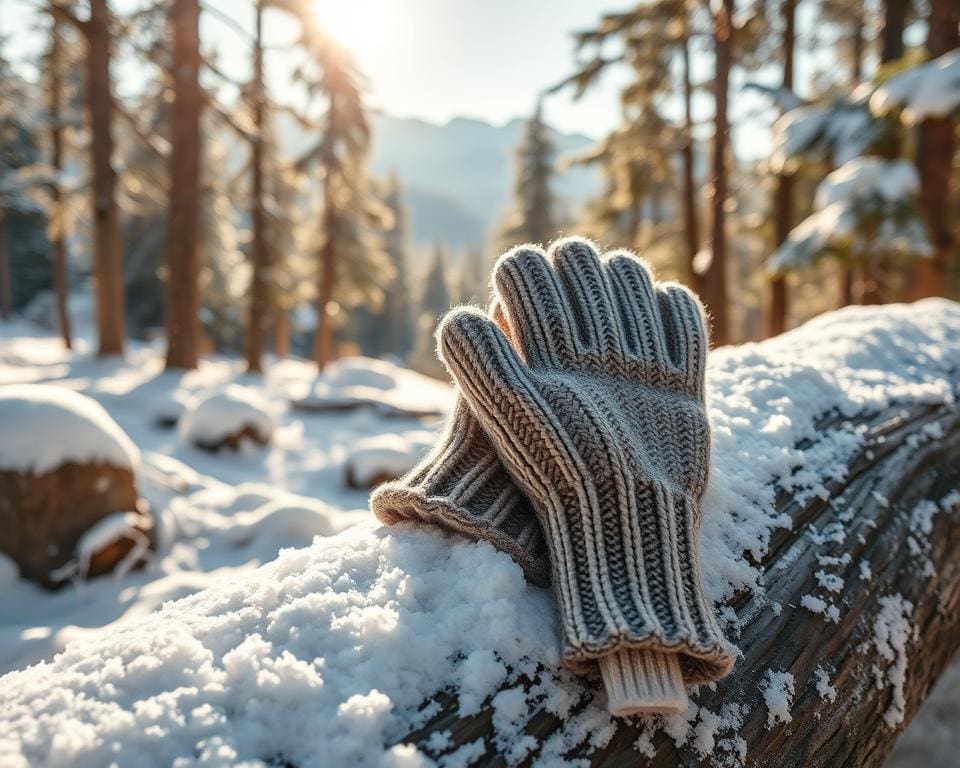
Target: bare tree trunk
[[891, 33], [58, 235], [935, 150], [776, 315], [845, 294], [850, 723], [183, 261], [6, 302], [108, 258], [323, 337], [690, 225], [714, 277], [259, 289], [281, 333]]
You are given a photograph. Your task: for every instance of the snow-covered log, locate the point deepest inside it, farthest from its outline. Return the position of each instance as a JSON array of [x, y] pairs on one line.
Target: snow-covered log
[[828, 545]]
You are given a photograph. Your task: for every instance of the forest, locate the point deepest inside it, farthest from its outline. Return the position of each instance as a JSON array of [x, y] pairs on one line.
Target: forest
[[188, 217]]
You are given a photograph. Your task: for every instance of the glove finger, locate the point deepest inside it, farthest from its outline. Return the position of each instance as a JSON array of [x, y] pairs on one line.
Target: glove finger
[[532, 298], [589, 294], [637, 307], [685, 330]]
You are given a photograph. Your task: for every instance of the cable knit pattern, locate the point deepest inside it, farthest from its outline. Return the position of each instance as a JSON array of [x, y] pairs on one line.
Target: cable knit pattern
[[462, 486], [598, 415]]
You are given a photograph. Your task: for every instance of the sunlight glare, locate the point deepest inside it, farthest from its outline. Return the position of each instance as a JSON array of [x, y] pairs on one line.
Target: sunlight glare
[[357, 24]]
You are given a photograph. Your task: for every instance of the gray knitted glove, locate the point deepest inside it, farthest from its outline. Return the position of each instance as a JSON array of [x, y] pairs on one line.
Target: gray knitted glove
[[462, 486], [602, 424]]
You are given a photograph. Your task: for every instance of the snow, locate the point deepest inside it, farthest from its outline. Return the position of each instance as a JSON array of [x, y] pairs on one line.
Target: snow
[[103, 533], [892, 632], [827, 692], [47, 426], [838, 133], [931, 89], [863, 189], [816, 605], [387, 456], [778, 690], [345, 636], [222, 414]]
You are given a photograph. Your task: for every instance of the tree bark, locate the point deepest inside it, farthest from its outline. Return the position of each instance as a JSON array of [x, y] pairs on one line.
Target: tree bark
[[935, 150], [891, 33], [777, 307], [323, 337], [259, 289], [713, 278], [281, 333], [183, 261], [845, 293], [58, 238], [898, 467], [108, 258], [690, 224]]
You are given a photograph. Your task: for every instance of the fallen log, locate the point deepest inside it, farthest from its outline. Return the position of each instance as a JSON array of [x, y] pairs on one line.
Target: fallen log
[[830, 527], [845, 709]]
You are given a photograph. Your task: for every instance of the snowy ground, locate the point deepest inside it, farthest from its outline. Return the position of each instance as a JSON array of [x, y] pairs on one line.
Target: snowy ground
[[218, 514], [344, 638]]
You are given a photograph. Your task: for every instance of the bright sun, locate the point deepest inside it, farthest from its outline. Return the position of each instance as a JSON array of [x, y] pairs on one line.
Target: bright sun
[[357, 24]]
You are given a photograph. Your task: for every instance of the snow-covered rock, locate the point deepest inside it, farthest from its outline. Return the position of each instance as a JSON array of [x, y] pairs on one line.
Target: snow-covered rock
[[382, 458], [227, 418], [45, 426], [344, 640]]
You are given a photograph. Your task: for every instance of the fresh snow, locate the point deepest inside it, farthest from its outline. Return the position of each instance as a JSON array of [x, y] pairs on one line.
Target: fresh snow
[[864, 187], [345, 637], [931, 89], [387, 455], [778, 690], [47, 426], [221, 414], [892, 632]]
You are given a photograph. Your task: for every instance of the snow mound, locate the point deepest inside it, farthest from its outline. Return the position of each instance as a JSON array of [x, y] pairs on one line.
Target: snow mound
[[931, 89], [386, 457], [341, 641], [45, 426], [223, 414], [361, 382]]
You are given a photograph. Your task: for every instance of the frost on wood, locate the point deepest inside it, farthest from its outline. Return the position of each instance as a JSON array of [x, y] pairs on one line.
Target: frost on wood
[[778, 693], [46, 426], [404, 645], [892, 633]]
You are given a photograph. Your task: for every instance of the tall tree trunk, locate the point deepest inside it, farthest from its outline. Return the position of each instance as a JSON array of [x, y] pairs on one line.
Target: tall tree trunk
[[260, 290], [108, 258], [714, 276], [6, 302], [891, 33], [690, 225], [323, 337], [935, 150], [183, 262], [58, 235], [845, 293], [776, 315], [281, 333]]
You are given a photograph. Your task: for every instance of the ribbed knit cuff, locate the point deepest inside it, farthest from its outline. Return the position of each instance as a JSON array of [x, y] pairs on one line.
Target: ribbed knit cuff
[[643, 682], [461, 486], [627, 578]]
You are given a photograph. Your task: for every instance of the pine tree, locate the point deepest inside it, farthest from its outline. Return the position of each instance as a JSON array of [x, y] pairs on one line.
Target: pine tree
[[397, 317], [435, 300], [350, 253], [532, 218]]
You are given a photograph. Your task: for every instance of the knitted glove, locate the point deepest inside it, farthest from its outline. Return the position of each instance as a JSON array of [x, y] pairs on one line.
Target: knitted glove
[[462, 486], [602, 424]]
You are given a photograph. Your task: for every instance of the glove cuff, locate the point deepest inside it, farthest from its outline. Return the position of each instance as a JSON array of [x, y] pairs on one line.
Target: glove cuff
[[627, 578], [461, 486], [643, 682]]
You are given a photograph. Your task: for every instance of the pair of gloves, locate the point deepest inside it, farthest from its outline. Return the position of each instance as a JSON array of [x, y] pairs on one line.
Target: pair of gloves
[[580, 446]]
